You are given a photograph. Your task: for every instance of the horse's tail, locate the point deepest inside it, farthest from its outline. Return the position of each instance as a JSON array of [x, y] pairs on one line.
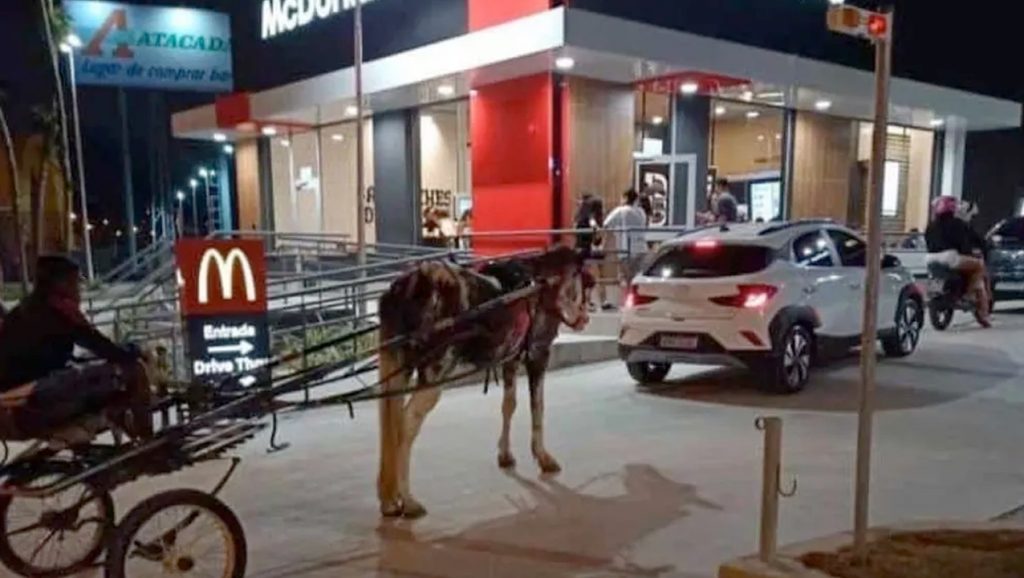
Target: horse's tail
[[394, 378]]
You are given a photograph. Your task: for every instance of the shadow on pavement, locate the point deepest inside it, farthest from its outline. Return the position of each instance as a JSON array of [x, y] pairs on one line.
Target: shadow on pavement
[[939, 374], [556, 531]]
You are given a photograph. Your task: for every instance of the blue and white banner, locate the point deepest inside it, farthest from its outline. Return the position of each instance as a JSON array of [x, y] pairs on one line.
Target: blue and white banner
[[151, 47]]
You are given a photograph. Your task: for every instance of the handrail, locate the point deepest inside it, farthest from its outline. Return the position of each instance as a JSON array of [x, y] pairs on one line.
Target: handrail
[[135, 261]]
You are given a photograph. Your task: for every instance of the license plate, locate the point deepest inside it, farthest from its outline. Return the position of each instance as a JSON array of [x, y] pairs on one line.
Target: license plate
[[688, 342]]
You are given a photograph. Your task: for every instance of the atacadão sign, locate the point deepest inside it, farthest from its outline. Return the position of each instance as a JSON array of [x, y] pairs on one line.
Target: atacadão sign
[[151, 47], [282, 16]]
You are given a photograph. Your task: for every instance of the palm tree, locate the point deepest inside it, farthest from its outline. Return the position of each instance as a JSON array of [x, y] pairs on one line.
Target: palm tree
[[47, 124], [57, 25], [12, 164]]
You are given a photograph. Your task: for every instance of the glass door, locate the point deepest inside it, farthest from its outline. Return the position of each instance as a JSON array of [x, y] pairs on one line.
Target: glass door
[[670, 184]]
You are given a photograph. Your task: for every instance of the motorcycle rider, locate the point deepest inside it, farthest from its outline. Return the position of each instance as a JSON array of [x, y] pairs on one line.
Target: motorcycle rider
[[951, 244]]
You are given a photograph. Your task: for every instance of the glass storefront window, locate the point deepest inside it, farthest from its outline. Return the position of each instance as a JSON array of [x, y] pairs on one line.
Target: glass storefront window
[[653, 124], [445, 195], [746, 149], [314, 181], [908, 176]]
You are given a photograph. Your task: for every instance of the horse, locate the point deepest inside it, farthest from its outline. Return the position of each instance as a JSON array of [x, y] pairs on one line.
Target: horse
[[553, 287]]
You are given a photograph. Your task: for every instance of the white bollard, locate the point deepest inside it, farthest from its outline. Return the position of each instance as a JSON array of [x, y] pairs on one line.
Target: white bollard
[[770, 490]]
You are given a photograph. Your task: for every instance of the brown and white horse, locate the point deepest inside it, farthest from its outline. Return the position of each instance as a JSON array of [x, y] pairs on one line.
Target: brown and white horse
[[520, 332]]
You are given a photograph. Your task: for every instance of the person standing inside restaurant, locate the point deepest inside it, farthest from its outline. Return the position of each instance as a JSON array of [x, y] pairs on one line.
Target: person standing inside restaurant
[[628, 223], [725, 206]]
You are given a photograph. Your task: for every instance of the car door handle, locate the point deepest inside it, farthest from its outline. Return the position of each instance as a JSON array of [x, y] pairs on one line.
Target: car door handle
[[810, 290], [856, 285]]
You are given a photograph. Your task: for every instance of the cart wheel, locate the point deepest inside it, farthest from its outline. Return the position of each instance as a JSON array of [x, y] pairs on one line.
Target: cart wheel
[[56, 536], [181, 532]]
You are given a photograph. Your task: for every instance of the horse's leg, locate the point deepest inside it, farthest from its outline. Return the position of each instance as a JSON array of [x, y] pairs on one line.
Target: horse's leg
[[391, 428], [420, 404], [535, 370], [508, 408]]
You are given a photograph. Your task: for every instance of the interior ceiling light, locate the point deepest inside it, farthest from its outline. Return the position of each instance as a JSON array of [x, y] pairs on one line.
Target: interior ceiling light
[[564, 63]]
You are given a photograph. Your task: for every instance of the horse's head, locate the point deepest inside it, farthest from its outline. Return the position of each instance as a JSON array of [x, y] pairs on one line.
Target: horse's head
[[567, 286]]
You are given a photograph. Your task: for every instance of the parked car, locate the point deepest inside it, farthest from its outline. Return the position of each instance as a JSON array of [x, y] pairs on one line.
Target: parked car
[[1006, 259], [767, 297]]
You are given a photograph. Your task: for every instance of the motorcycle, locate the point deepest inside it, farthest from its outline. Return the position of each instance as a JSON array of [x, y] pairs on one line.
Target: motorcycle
[[947, 294]]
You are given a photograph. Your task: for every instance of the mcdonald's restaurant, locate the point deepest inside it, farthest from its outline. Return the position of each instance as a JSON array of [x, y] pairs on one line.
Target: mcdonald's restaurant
[[509, 112]]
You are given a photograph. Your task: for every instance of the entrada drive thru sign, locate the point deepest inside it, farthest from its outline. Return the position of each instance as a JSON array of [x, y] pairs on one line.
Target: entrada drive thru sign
[[223, 297]]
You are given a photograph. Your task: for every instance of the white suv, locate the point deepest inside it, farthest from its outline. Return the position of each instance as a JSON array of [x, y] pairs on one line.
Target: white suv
[[769, 297]]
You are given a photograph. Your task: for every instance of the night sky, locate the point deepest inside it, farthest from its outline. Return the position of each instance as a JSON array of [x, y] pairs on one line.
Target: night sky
[[971, 45]]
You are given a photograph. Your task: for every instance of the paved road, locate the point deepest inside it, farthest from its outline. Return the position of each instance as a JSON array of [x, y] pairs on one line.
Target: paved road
[[658, 483]]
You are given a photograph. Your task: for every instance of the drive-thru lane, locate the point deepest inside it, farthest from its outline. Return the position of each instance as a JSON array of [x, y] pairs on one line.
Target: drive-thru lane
[[657, 482]]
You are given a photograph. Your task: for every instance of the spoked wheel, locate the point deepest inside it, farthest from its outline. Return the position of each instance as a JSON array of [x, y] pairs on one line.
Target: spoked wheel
[[56, 536], [909, 322], [179, 533], [789, 370]]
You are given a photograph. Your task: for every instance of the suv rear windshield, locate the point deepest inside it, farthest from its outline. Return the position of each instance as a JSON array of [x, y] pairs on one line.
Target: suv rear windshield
[[694, 262]]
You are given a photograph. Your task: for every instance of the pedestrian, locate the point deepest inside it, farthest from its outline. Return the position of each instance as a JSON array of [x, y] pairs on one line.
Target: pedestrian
[[725, 207], [433, 235], [465, 230], [588, 221], [628, 222]]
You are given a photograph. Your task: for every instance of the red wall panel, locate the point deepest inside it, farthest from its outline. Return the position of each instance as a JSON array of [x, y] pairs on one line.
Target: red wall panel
[[512, 141], [484, 13]]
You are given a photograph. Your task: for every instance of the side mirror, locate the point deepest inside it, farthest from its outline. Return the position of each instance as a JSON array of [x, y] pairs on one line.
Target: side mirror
[[890, 262]]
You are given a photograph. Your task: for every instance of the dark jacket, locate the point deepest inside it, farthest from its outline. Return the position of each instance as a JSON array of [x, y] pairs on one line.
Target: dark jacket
[[948, 232], [39, 336]]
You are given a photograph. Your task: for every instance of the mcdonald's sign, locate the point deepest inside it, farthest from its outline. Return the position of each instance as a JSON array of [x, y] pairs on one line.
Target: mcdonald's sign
[[221, 277]]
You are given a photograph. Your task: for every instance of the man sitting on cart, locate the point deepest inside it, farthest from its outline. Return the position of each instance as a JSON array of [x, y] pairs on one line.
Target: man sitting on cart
[[40, 390]]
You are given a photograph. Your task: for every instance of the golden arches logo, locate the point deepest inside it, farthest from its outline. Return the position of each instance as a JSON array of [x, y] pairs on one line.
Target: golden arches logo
[[225, 269]]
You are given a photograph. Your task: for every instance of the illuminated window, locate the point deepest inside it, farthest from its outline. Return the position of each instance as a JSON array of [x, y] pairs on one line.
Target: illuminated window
[[891, 192]]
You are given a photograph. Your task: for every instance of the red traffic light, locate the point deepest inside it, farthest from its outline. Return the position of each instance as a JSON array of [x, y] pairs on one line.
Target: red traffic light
[[878, 25]]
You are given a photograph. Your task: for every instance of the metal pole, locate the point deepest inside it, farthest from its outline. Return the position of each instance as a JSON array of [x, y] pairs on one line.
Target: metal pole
[[360, 177], [195, 209], [772, 427], [883, 61], [84, 198], [126, 156], [180, 229], [209, 215]]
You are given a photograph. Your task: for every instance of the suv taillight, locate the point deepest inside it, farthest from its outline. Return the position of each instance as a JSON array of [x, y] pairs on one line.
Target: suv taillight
[[634, 298], [749, 297]]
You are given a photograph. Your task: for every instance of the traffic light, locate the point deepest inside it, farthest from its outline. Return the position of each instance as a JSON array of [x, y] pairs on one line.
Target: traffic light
[[878, 25]]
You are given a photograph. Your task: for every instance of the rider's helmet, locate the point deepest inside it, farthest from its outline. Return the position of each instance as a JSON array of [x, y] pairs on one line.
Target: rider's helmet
[[945, 205]]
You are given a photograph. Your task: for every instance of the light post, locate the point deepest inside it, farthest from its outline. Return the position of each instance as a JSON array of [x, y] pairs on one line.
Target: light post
[[68, 47], [180, 195], [207, 174], [195, 211], [876, 27]]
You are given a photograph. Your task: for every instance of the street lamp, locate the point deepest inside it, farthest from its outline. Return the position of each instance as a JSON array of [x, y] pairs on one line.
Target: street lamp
[[180, 195], [195, 211], [68, 46], [207, 175]]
